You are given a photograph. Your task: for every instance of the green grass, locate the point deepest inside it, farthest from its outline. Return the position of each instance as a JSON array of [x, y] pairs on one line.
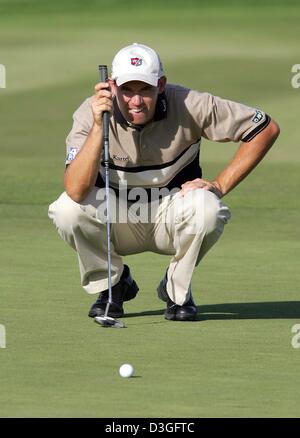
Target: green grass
[[237, 359]]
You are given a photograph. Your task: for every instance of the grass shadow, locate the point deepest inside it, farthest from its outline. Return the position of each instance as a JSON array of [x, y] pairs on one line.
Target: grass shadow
[[259, 310]]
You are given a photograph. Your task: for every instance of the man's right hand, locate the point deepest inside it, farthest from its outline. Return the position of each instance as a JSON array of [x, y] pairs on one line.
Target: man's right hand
[[80, 176], [101, 101]]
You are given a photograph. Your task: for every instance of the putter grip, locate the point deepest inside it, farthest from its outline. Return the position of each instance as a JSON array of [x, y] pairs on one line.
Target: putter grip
[[103, 78]]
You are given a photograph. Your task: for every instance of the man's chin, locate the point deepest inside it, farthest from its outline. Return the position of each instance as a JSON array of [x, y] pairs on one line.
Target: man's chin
[[138, 119]]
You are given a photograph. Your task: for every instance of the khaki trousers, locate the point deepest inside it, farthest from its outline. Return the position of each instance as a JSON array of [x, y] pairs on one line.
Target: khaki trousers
[[185, 227]]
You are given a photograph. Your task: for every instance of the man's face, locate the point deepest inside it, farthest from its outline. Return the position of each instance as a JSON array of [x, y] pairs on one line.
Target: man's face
[[137, 100]]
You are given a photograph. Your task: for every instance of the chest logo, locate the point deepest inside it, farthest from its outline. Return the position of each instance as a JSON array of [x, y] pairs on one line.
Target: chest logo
[[115, 157]]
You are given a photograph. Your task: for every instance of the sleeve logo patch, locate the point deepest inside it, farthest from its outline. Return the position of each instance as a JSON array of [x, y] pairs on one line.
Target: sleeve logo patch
[[258, 117], [72, 154]]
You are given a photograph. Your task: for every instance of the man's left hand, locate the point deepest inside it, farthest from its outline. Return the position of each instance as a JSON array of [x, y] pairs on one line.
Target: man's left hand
[[198, 183]]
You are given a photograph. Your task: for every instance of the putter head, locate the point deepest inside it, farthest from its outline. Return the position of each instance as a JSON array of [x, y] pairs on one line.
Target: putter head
[[107, 321]]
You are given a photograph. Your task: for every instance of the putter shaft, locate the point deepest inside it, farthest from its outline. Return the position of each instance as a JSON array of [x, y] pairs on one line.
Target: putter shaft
[[105, 320]]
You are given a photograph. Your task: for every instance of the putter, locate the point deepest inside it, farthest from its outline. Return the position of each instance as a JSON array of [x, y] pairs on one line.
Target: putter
[[105, 320]]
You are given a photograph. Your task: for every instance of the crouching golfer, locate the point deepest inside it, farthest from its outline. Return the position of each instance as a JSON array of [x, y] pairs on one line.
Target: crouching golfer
[[155, 135]]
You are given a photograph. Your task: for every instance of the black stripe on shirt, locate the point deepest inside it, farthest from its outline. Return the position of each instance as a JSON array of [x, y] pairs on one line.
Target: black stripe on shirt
[[257, 130], [151, 167], [188, 173]]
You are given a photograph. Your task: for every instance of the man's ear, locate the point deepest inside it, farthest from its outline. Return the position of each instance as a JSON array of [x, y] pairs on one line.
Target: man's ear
[[112, 86], [162, 82]]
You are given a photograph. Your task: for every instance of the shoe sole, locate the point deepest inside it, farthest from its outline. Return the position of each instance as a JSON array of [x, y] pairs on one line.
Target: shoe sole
[[180, 318], [100, 312]]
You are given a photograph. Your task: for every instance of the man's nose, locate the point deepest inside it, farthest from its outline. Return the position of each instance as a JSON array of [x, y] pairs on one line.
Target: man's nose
[[137, 100]]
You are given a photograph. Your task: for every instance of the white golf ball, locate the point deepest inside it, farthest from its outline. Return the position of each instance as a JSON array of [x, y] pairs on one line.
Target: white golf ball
[[126, 370]]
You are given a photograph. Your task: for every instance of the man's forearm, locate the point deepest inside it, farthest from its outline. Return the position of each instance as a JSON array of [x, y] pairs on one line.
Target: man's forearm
[[81, 174], [246, 159]]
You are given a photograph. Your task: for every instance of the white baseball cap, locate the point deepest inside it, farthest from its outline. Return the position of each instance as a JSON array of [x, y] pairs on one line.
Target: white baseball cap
[[137, 62]]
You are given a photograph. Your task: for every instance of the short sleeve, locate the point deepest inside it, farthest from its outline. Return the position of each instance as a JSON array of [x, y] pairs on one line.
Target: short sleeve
[[82, 123], [224, 120]]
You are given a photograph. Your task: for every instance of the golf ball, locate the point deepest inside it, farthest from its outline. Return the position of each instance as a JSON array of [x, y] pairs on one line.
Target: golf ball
[[126, 370]]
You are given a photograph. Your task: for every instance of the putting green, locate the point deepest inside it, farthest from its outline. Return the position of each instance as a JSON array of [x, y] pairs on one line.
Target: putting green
[[237, 359]]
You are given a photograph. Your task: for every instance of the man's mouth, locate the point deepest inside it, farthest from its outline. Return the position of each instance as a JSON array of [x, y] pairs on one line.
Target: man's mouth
[[136, 110]]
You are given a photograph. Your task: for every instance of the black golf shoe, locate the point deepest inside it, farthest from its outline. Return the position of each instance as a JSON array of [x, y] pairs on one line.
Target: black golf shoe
[[174, 312], [125, 290], [186, 312]]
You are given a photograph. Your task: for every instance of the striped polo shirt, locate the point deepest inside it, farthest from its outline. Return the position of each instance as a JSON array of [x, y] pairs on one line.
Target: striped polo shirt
[[165, 152]]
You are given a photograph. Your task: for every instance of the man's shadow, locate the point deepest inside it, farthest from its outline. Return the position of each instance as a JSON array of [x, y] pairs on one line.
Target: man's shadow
[[259, 310]]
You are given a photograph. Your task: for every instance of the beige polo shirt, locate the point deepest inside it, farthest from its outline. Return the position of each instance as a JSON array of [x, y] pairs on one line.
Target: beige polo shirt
[[165, 152]]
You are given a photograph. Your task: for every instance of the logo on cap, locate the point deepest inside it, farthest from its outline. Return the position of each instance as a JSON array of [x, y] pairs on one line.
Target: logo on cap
[[136, 61]]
